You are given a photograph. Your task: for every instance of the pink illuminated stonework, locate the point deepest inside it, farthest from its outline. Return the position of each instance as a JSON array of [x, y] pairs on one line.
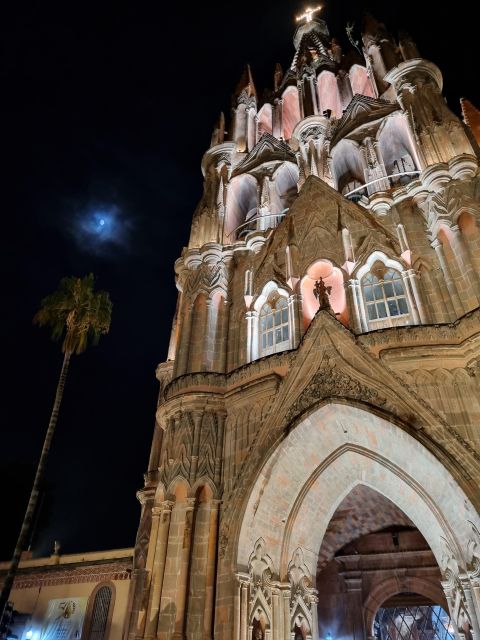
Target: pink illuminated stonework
[[315, 463]]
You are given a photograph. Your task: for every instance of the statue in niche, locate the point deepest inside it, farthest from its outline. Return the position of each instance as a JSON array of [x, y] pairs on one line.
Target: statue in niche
[[258, 633], [322, 294]]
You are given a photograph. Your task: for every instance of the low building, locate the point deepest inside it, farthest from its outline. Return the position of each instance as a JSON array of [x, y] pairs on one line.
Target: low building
[[73, 597]]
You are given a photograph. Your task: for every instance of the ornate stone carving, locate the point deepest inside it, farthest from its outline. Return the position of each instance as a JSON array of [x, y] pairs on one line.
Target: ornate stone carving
[[361, 110], [207, 278], [331, 382], [267, 149], [303, 597], [223, 539], [260, 565], [143, 538], [473, 554]]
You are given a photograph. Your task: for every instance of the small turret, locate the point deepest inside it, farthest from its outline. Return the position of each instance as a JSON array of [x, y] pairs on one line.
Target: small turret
[[471, 117], [381, 50], [277, 77], [244, 112], [408, 48], [245, 87], [218, 134]]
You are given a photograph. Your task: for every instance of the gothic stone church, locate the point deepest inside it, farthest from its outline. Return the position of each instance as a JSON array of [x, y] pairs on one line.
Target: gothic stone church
[[315, 466]]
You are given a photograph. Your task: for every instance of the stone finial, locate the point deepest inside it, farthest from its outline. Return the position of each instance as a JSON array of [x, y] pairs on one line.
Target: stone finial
[[471, 117], [246, 84]]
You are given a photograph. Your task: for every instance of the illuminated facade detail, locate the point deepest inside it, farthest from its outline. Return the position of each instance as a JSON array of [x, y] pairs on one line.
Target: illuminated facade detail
[[100, 614], [413, 623], [81, 596], [308, 15], [316, 461], [384, 295], [274, 327]]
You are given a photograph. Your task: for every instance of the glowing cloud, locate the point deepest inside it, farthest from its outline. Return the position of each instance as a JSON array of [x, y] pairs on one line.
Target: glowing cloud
[[101, 228]]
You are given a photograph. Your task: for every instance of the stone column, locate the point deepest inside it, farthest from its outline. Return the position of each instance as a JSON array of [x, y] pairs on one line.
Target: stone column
[[219, 453], [154, 460], [210, 334], [221, 341], [277, 118], [465, 261], [181, 360], [236, 609], [354, 307], [244, 611], [413, 280], [286, 594], [452, 289], [451, 607], [353, 582], [162, 513], [314, 600], [293, 320], [411, 300], [182, 582], [250, 315], [210, 576], [475, 582], [356, 293], [277, 616], [197, 427], [253, 336], [472, 609], [138, 587]]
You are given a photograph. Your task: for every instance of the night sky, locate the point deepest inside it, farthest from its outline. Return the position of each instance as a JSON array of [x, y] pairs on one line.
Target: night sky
[[106, 111]]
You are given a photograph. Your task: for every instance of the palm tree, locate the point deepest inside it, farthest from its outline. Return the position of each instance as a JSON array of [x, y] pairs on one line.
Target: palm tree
[[79, 315]]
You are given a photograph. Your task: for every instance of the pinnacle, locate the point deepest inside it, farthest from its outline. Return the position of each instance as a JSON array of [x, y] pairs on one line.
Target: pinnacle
[[471, 117], [246, 83]]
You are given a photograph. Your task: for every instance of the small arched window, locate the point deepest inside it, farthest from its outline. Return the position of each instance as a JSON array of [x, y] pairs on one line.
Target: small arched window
[[357, 187], [274, 327], [384, 294], [403, 168], [100, 614]]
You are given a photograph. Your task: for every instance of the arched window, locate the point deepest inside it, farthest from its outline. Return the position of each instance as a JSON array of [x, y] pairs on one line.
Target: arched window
[[100, 614], [384, 294], [355, 186], [274, 327], [417, 622]]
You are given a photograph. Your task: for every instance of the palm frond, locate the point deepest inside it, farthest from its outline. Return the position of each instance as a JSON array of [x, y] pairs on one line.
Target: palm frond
[[76, 312]]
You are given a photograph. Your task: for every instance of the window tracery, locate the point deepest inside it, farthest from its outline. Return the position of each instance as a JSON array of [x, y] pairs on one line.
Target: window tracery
[[384, 294], [100, 613], [274, 326]]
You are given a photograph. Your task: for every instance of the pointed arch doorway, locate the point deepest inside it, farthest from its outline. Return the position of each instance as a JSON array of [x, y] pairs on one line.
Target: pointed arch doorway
[[343, 483]]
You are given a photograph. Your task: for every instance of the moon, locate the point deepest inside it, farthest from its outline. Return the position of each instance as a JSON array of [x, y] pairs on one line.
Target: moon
[[102, 228]]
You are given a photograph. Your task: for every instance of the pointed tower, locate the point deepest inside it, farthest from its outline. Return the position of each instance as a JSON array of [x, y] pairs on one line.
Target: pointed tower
[[471, 117], [315, 465], [244, 110]]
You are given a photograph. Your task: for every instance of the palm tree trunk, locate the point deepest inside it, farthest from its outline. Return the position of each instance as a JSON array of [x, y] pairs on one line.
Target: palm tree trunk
[[25, 531]]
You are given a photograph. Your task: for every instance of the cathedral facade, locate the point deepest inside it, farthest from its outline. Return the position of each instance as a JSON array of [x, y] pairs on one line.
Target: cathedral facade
[[316, 456]]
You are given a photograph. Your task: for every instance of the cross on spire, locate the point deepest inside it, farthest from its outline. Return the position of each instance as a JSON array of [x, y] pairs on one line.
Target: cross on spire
[[309, 13]]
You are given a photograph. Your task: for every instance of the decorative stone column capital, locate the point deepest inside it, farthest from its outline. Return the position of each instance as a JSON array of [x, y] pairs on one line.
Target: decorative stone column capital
[[190, 503]]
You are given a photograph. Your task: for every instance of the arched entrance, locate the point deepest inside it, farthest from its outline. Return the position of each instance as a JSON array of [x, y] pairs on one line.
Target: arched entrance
[[341, 475]]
